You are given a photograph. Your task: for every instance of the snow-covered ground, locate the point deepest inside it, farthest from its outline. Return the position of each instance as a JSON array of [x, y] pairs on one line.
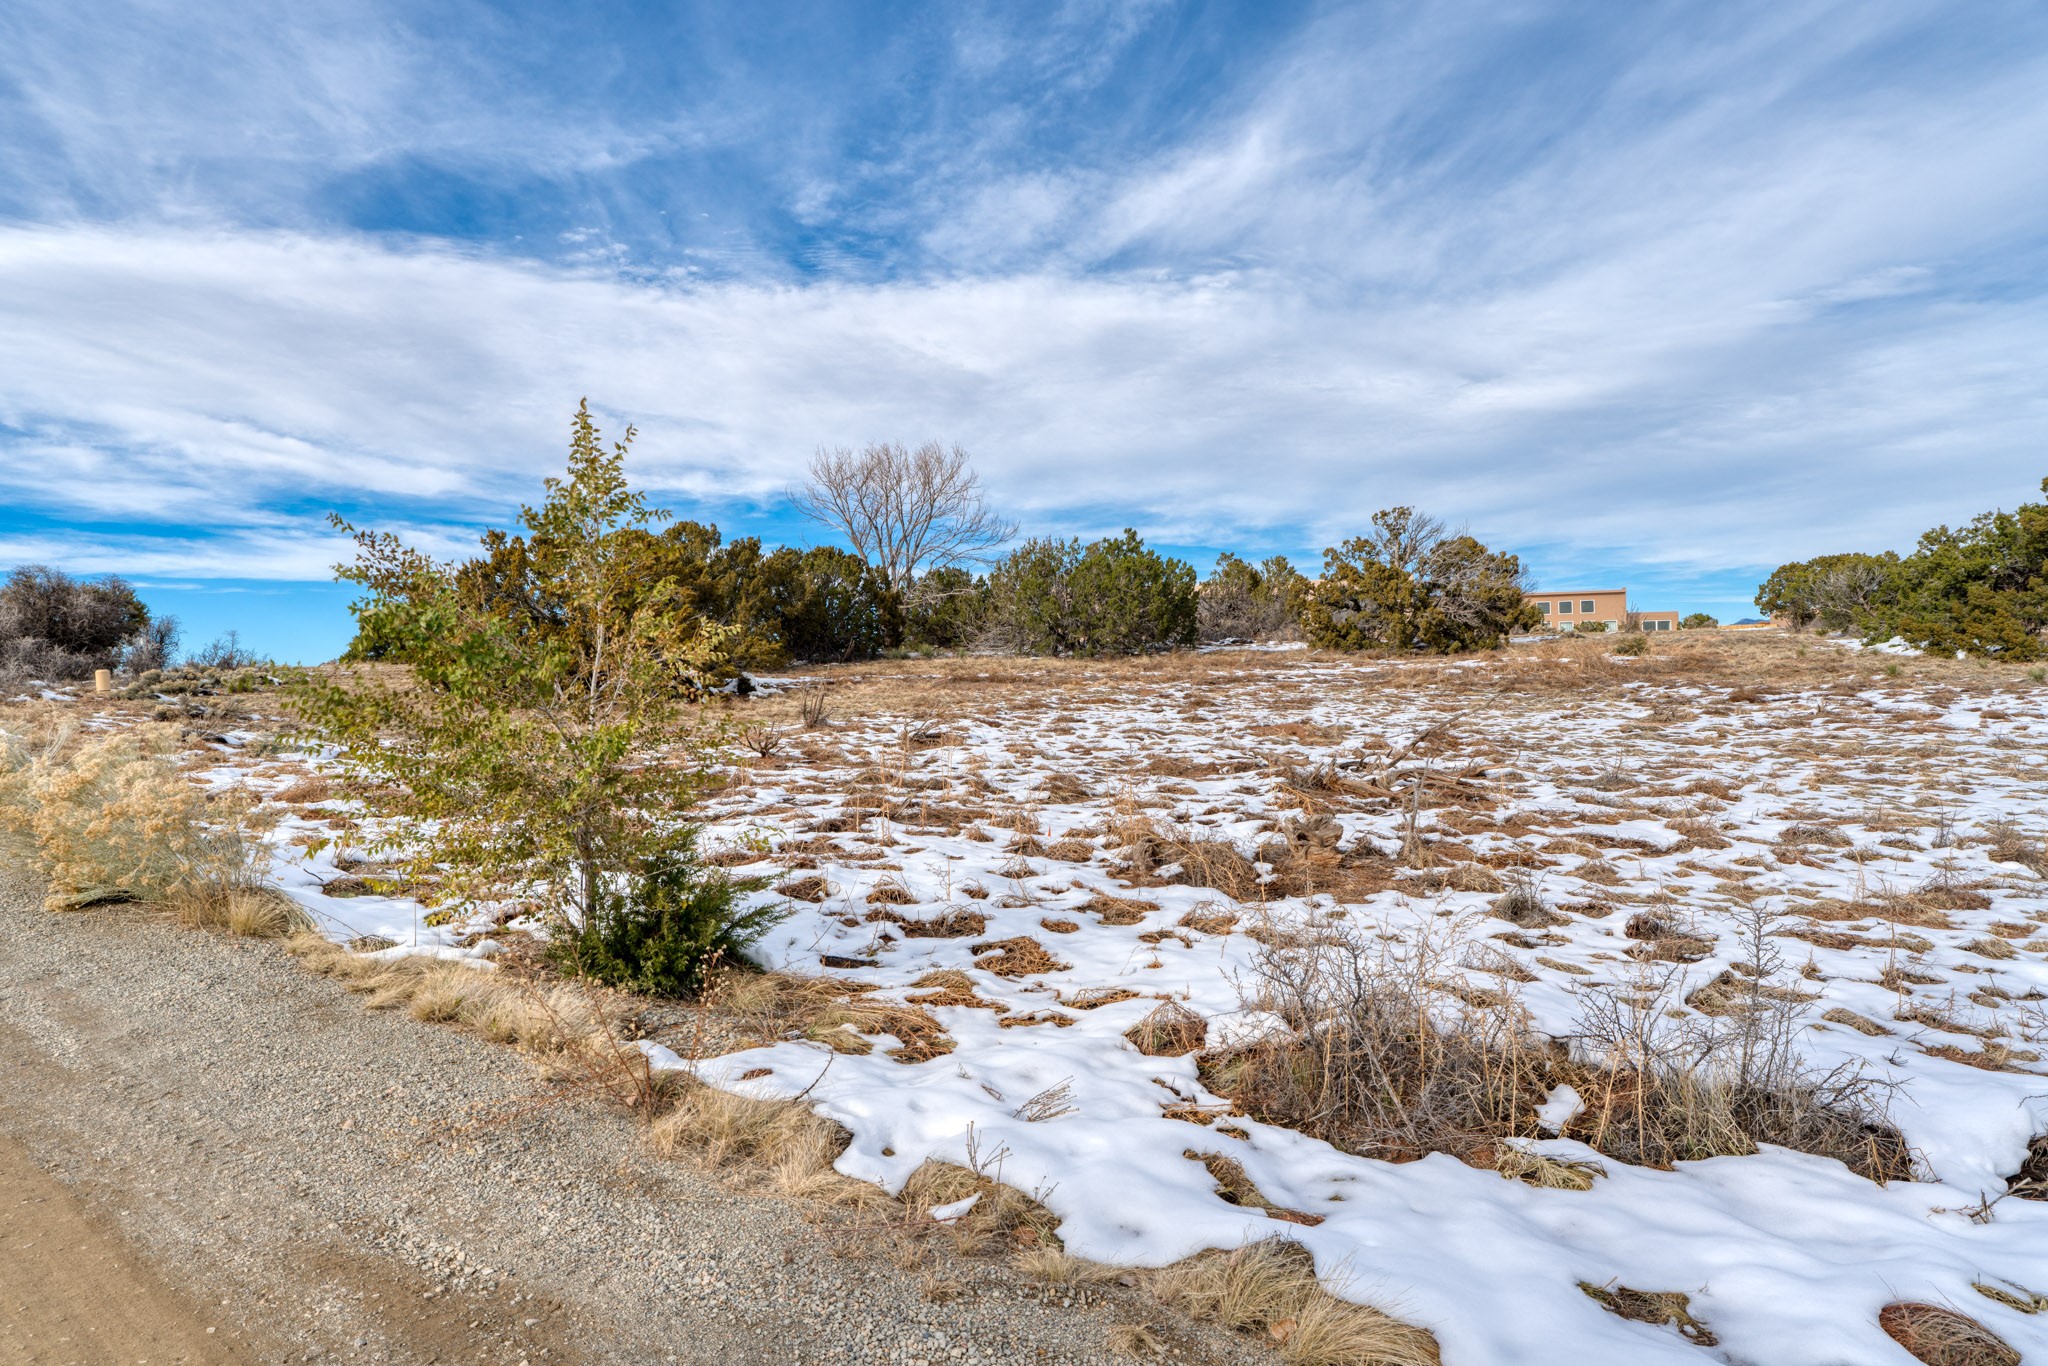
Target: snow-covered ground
[[1822, 804], [1787, 1257]]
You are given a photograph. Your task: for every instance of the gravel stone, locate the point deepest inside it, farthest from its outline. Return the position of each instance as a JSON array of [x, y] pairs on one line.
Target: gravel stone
[[355, 1186]]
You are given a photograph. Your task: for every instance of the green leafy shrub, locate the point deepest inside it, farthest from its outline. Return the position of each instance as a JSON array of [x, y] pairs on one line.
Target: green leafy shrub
[[1128, 599], [1634, 643], [1828, 591], [662, 925], [1409, 585], [1979, 589], [1698, 621], [1115, 596]]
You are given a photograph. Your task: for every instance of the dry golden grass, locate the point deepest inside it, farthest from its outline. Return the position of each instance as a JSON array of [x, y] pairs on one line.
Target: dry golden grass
[[1654, 1307], [109, 818], [1944, 1337], [255, 912], [1135, 1340], [1056, 1266], [1271, 1288]]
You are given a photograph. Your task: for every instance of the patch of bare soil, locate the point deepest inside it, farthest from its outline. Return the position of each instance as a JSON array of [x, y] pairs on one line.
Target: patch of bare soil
[[73, 1289]]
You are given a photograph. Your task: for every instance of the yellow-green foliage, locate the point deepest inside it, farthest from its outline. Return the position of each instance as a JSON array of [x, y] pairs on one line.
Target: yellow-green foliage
[[535, 737], [112, 819]]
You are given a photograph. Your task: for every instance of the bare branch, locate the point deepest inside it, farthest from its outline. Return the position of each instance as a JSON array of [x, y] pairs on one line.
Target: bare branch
[[903, 509]]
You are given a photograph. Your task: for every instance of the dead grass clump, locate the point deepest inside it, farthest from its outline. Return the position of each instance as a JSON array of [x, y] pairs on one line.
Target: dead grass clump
[[1698, 834], [1271, 1287], [890, 892], [1806, 833], [1522, 904], [953, 923], [1215, 863], [2030, 1182], [1209, 918], [1235, 1186], [1989, 947], [1135, 1340], [2009, 844], [842, 1025], [254, 911], [1171, 1030], [1021, 956], [1071, 850], [1001, 1215], [1900, 908], [1056, 1266], [1662, 939], [1118, 910], [2016, 1297], [1094, 998], [1943, 1337], [793, 1144], [1654, 1307], [1065, 787], [1532, 1168], [308, 791], [1474, 877], [1849, 1019], [811, 889], [950, 987]]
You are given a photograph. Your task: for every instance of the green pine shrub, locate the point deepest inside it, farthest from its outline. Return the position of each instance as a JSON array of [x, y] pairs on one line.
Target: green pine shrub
[[1115, 596], [662, 925], [1410, 585]]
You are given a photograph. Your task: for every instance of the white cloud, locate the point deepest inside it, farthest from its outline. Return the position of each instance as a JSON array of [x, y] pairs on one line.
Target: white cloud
[[214, 377], [1718, 293]]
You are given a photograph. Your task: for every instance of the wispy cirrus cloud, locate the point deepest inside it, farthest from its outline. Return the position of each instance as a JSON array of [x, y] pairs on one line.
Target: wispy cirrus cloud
[[1662, 292]]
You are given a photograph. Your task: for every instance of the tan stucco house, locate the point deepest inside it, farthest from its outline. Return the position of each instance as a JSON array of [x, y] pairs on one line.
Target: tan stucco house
[[1608, 607]]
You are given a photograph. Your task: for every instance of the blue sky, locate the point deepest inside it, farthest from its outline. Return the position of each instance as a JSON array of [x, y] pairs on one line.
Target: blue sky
[[1658, 295]]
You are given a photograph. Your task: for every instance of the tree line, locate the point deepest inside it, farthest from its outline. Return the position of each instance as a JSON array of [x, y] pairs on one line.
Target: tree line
[[928, 573], [1979, 589]]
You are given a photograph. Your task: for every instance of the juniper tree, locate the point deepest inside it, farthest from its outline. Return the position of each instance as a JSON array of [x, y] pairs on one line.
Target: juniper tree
[[531, 727]]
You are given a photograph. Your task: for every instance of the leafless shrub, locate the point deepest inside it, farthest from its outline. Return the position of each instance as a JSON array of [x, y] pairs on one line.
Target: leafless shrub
[[1379, 1058], [811, 706], [1661, 1085], [763, 741]]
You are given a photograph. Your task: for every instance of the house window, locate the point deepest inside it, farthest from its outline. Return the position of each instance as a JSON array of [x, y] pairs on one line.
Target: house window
[[1586, 606], [1544, 608], [1565, 608]]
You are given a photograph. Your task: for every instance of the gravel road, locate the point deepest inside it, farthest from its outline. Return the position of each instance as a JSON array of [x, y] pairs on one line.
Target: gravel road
[[209, 1154]]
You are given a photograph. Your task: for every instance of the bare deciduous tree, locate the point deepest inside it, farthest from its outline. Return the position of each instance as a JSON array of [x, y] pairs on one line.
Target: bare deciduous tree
[[903, 509]]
